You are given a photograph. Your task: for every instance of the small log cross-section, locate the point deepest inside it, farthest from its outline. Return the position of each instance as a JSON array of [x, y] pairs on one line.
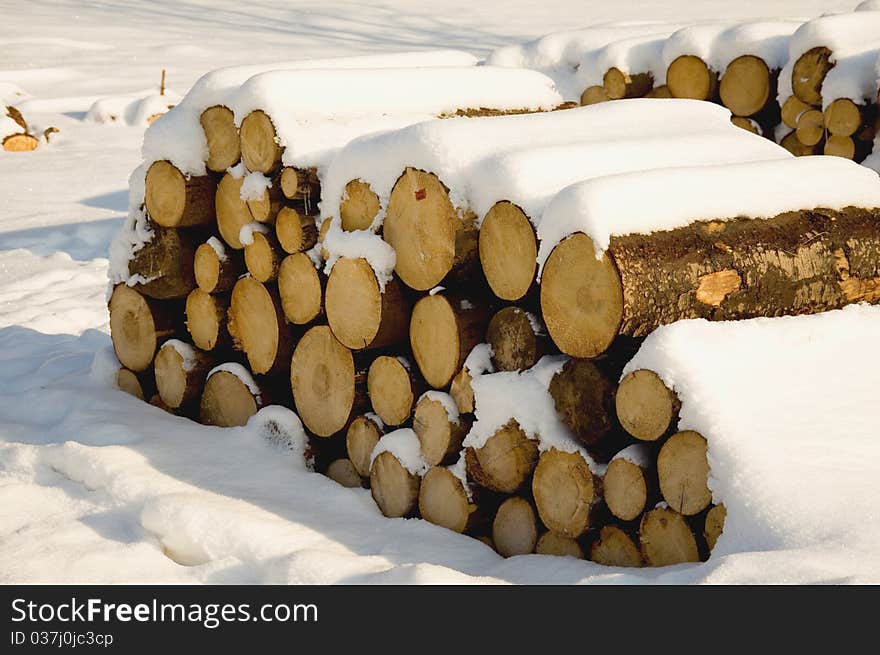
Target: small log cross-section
[[257, 326], [327, 390], [811, 127], [165, 263], [395, 490], [342, 472], [359, 312], [665, 538], [295, 232], [301, 288], [443, 330], [20, 143], [430, 238], [689, 77], [566, 492], [224, 148], [628, 488], [138, 325], [206, 319], [714, 525], [232, 212], [174, 200], [800, 262], [746, 85], [227, 401], [300, 184], [179, 381], [683, 470], [619, 85], [515, 528], [646, 408], [260, 151], [216, 272], [439, 435], [615, 547], [551, 543], [461, 391], [361, 437], [505, 461], [809, 72], [393, 389], [443, 500], [508, 251], [263, 256], [358, 207], [584, 398], [516, 340], [140, 385], [593, 95], [792, 109]]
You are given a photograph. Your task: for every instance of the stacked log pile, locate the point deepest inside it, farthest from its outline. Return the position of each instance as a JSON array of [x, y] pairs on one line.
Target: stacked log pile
[[237, 300]]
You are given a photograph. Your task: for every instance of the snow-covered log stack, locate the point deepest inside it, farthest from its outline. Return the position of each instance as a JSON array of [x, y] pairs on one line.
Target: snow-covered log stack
[[451, 329]]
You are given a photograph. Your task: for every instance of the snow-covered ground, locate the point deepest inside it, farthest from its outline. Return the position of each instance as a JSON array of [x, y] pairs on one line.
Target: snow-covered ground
[[98, 487]]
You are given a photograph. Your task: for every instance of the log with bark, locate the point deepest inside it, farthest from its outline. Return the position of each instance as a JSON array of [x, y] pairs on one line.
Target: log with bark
[[505, 462], [301, 289], [216, 268], [616, 546], [665, 538], [799, 262], [180, 380], [394, 387], [329, 391], [227, 401], [508, 249], [224, 148], [138, 325], [517, 339], [440, 435], [394, 488], [689, 76], [176, 200], [295, 231], [515, 528], [444, 328], [361, 314], [164, 264], [567, 493], [683, 471], [258, 329], [206, 319], [646, 408], [432, 241], [360, 439]]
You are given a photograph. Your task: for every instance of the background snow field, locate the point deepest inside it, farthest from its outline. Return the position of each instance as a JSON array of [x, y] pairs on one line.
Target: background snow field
[[97, 486]]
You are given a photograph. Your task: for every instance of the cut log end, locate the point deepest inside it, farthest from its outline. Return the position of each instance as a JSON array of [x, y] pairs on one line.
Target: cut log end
[[360, 439], [173, 200], [20, 143], [361, 314], [258, 328], [439, 436], [214, 274], [224, 147], [391, 388], [811, 127], [840, 146], [645, 406], [260, 151], [227, 401], [626, 489], [426, 232], [206, 317], [551, 543], [358, 207], [136, 327], [745, 86], [179, 382], [689, 77], [342, 472], [299, 286], [593, 95], [808, 73], [262, 256], [665, 538], [843, 117], [129, 382], [395, 490], [515, 344], [584, 399], [295, 232], [661, 91], [508, 251], [461, 391], [232, 212], [443, 330], [715, 519], [792, 109], [515, 528], [566, 492], [505, 461], [322, 377], [443, 500], [581, 298], [619, 85], [683, 471], [300, 184], [614, 547]]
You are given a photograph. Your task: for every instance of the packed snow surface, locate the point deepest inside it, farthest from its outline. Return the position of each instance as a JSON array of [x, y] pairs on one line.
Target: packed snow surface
[[675, 197], [96, 486], [788, 407], [451, 148]]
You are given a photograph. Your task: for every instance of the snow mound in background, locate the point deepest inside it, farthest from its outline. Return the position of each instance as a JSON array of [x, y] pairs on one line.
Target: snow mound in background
[[132, 109], [788, 406]]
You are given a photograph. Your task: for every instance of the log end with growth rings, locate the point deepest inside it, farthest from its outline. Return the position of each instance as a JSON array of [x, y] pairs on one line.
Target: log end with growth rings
[[224, 147], [300, 289], [646, 408], [358, 207], [443, 500], [260, 151], [566, 492], [390, 387], [683, 471], [515, 528], [508, 251], [226, 401], [395, 490], [360, 439]]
